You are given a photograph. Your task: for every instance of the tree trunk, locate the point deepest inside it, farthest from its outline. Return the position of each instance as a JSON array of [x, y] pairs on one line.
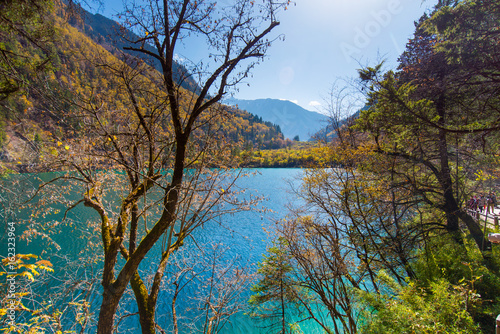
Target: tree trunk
[[112, 294], [451, 207], [107, 312], [146, 315], [450, 204], [283, 323], [475, 231]]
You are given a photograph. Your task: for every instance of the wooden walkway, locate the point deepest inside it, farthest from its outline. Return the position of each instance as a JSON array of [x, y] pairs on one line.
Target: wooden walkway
[[492, 219]]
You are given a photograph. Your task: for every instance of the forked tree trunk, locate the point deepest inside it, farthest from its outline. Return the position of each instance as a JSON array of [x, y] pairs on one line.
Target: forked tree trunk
[[112, 294], [107, 312]]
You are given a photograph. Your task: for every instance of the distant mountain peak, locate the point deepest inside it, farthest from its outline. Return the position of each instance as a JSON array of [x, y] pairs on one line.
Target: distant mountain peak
[[292, 118]]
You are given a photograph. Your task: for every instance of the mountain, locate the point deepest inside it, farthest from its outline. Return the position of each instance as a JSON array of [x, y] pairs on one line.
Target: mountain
[[292, 118], [35, 123], [112, 36], [329, 132]]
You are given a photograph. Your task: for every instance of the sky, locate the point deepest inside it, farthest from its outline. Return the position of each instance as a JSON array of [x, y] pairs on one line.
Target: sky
[[326, 40]]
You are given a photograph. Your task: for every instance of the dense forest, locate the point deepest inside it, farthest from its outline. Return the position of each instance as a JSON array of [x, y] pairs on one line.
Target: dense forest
[[384, 239], [386, 244], [34, 117]]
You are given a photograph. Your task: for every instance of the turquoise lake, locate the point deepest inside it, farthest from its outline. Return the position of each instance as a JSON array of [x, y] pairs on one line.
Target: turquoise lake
[[242, 237]]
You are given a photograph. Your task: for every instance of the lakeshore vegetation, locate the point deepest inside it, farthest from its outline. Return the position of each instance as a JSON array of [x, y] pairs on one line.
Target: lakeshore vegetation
[[382, 242]]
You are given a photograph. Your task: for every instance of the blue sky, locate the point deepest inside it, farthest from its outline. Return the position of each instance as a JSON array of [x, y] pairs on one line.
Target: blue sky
[[326, 40]]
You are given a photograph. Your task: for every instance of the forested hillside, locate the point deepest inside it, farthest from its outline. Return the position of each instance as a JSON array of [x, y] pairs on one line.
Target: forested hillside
[[72, 72], [398, 239], [392, 229], [295, 121], [113, 37], [149, 161]]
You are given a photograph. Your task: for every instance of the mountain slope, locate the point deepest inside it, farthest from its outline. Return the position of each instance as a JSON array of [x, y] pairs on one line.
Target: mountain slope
[[329, 132], [39, 122], [292, 119], [112, 36]]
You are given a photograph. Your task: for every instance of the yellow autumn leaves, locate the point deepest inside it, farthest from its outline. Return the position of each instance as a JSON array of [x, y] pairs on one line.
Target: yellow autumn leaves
[[66, 147]]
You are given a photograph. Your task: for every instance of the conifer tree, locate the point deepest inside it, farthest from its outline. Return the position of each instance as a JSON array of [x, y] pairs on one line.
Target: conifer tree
[[274, 294]]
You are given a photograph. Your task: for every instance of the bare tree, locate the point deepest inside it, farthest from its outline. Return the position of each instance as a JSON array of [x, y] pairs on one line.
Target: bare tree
[[221, 285], [164, 141], [54, 289], [353, 223]]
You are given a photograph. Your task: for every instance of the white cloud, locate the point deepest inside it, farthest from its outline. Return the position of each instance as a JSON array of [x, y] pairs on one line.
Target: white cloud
[[314, 104]]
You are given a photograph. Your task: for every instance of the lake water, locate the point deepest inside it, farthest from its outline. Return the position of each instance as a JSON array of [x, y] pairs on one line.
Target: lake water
[[242, 236]]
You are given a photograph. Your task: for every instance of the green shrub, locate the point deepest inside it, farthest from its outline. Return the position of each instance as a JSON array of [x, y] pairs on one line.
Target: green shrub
[[442, 308]]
